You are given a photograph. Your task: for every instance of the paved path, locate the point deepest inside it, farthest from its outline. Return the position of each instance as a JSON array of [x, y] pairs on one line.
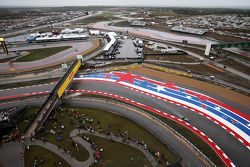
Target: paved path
[[239, 60], [10, 154], [148, 155], [75, 163], [178, 146], [60, 152], [78, 48], [234, 71]]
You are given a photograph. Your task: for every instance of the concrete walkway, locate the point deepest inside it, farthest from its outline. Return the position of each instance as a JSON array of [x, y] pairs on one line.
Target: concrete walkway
[[75, 163], [10, 154], [148, 155]]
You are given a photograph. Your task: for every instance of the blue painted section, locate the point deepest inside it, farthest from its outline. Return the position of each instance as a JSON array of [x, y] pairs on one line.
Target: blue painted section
[[181, 94], [31, 38]]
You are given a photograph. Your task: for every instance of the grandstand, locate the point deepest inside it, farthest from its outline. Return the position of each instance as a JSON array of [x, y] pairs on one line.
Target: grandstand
[[189, 30], [74, 31]]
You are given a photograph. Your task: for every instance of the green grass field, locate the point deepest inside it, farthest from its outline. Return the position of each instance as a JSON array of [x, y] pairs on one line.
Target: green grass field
[[117, 123], [38, 54], [29, 114], [117, 154], [30, 83], [63, 118], [108, 121], [98, 18], [122, 24], [39, 152], [190, 136]]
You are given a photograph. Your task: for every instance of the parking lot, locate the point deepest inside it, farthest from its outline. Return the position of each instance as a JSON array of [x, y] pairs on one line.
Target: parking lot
[[127, 50]]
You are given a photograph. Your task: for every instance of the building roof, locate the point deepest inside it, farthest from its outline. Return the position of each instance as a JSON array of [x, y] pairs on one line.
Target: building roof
[[112, 36]]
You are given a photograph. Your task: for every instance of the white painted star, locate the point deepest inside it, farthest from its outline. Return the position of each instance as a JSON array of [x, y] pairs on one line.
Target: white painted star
[[160, 88], [217, 108], [188, 97]]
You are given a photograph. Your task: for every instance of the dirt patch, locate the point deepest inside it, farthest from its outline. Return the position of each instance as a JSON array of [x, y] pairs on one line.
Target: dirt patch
[[236, 65], [174, 58], [226, 76], [217, 90], [202, 68], [224, 38]]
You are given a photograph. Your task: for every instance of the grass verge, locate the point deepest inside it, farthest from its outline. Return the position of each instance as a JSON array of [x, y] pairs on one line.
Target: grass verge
[[98, 18], [29, 83], [117, 154], [38, 54], [71, 118], [53, 130], [27, 117], [5, 60], [236, 65]]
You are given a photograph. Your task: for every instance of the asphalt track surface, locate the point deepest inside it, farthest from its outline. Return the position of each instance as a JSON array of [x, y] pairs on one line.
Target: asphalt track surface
[[59, 58], [174, 37], [188, 157], [235, 150]]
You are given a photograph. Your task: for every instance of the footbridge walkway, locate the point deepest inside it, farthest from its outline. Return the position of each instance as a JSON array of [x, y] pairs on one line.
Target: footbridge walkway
[[53, 98]]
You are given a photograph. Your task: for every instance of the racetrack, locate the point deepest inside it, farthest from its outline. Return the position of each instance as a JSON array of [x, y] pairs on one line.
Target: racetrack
[[78, 48], [240, 101], [149, 33], [188, 157], [233, 148]]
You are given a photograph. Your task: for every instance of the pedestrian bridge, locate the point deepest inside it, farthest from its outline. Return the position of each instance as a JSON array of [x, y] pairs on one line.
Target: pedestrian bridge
[[52, 100]]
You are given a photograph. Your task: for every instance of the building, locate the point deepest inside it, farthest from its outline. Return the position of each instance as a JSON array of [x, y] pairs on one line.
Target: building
[[112, 45], [74, 31], [94, 32], [66, 34]]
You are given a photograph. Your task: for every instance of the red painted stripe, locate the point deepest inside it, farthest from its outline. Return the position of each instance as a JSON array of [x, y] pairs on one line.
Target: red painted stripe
[[22, 95], [203, 97], [245, 142], [212, 144], [230, 108], [221, 104]]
